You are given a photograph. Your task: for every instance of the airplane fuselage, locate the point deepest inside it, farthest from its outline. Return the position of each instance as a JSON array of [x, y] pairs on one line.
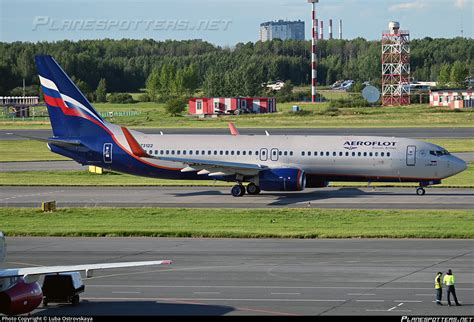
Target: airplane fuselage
[[331, 158]]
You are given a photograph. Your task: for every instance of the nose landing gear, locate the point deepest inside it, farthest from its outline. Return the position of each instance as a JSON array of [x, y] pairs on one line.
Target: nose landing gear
[[420, 191]]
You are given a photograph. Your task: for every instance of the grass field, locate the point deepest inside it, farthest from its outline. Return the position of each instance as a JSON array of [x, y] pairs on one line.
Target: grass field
[[315, 115], [84, 178], [29, 150], [240, 223]]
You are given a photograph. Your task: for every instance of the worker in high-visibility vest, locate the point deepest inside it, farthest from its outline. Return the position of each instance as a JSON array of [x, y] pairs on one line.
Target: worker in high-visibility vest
[[449, 281], [439, 288]]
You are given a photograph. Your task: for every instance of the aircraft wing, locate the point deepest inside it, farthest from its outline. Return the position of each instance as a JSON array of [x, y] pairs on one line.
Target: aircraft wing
[[43, 270], [213, 167]]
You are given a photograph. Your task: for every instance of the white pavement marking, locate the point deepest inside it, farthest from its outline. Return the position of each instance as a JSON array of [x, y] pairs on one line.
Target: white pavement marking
[[285, 293], [407, 301], [362, 294], [370, 300], [206, 292], [204, 299], [126, 292]]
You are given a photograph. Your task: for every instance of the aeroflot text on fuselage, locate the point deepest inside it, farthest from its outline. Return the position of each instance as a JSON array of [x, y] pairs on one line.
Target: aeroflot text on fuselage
[[351, 145]]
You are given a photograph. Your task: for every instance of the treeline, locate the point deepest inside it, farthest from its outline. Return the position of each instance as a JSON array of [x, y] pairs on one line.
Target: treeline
[[126, 65]]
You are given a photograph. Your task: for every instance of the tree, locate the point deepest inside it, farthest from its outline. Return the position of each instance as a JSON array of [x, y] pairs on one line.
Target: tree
[[153, 85], [459, 72], [101, 91], [444, 75], [175, 106]]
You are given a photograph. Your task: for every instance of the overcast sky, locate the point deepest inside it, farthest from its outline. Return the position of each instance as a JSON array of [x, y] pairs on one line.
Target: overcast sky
[[223, 22]]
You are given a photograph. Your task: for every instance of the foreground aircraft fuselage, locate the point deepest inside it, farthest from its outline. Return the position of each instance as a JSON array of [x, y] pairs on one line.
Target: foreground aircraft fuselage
[[271, 163]]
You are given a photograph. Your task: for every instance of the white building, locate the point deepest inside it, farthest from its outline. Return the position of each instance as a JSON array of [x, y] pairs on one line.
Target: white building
[[282, 30]]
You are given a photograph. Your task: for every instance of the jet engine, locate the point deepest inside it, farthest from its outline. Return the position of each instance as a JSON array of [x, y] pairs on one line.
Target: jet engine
[[21, 298], [284, 179]]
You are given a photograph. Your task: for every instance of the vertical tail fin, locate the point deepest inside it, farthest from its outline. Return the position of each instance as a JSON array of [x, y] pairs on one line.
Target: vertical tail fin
[[70, 112]]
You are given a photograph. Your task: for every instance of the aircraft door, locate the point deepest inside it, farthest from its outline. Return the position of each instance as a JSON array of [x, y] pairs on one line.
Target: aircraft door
[[107, 152], [263, 154], [411, 155], [274, 154]]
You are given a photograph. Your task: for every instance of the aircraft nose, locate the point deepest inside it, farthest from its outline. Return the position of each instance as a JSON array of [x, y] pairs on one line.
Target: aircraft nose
[[459, 165]]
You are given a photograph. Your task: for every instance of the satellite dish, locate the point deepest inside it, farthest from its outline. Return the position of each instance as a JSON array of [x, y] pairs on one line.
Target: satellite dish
[[371, 94]]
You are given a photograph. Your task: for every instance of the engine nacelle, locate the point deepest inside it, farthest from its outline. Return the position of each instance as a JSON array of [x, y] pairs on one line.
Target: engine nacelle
[[285, 179], [21, 298]]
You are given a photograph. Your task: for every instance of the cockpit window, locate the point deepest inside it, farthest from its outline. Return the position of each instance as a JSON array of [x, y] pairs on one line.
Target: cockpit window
[[439, 153]]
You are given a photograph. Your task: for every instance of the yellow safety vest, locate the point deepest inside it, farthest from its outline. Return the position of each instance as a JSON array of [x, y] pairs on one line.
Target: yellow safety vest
[[438, 281], [448, 280]]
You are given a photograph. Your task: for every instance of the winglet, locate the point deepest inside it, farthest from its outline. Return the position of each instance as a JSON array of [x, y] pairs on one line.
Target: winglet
[[136, 148], [233, 129]]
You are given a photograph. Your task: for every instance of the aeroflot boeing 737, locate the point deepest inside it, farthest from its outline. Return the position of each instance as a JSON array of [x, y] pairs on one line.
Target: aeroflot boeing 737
[[267, 162]]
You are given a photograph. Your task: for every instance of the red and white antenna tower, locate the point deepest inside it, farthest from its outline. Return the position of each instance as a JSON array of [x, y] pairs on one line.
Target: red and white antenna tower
[[314, 36], [395, 66]]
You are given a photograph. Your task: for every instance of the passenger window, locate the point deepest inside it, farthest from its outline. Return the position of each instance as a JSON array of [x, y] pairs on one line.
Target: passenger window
[[388, 154], [327, 154], [381, 154], [291, 153], [178, 152], [285, 153], [238, 152], [340, 154], [220, 152], [309, 153], [353, 154], [347, 154], [244, 152], [226, 152], [161, 152], [167, 152], [197, 152], [365, 154], [315, 153], [370, 154], [256, 153], [302, 153], [250, 152], [376, 154], [334, 154], [190, 152]]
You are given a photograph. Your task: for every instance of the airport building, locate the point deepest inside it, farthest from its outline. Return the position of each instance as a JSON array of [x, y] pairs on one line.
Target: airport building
[[231, 105], [282, 30], [452, 98]]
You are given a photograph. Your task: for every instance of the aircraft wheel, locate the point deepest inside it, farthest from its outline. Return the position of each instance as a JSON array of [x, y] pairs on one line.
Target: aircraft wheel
[[420, 191], [253, 189], [238, 190], [75, 300]]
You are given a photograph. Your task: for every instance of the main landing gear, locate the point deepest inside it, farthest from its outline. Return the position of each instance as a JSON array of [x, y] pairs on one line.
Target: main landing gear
[[239, 190]]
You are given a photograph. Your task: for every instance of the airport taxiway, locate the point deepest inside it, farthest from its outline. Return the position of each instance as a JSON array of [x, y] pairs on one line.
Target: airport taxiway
[[220, 197], [259, 276], [457, 132]]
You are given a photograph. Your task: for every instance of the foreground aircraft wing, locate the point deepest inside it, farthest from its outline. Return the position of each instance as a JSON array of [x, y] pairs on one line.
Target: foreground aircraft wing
[[42, 270]]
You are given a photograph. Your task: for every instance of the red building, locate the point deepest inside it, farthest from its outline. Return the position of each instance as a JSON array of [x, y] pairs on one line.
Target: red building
[[452, 98], [231, 106]]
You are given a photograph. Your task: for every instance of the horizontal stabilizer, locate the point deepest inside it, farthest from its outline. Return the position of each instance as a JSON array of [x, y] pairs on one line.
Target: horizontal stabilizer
[[55, 141]]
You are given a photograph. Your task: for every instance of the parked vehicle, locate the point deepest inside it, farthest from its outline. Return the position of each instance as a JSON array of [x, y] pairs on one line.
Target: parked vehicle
[[62, 288]]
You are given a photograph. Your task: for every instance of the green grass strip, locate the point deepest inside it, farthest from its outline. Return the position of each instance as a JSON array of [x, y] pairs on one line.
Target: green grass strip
[[239, 223]]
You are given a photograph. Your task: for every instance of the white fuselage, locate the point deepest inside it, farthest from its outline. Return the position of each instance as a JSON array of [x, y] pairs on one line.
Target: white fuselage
[[335, 157]]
